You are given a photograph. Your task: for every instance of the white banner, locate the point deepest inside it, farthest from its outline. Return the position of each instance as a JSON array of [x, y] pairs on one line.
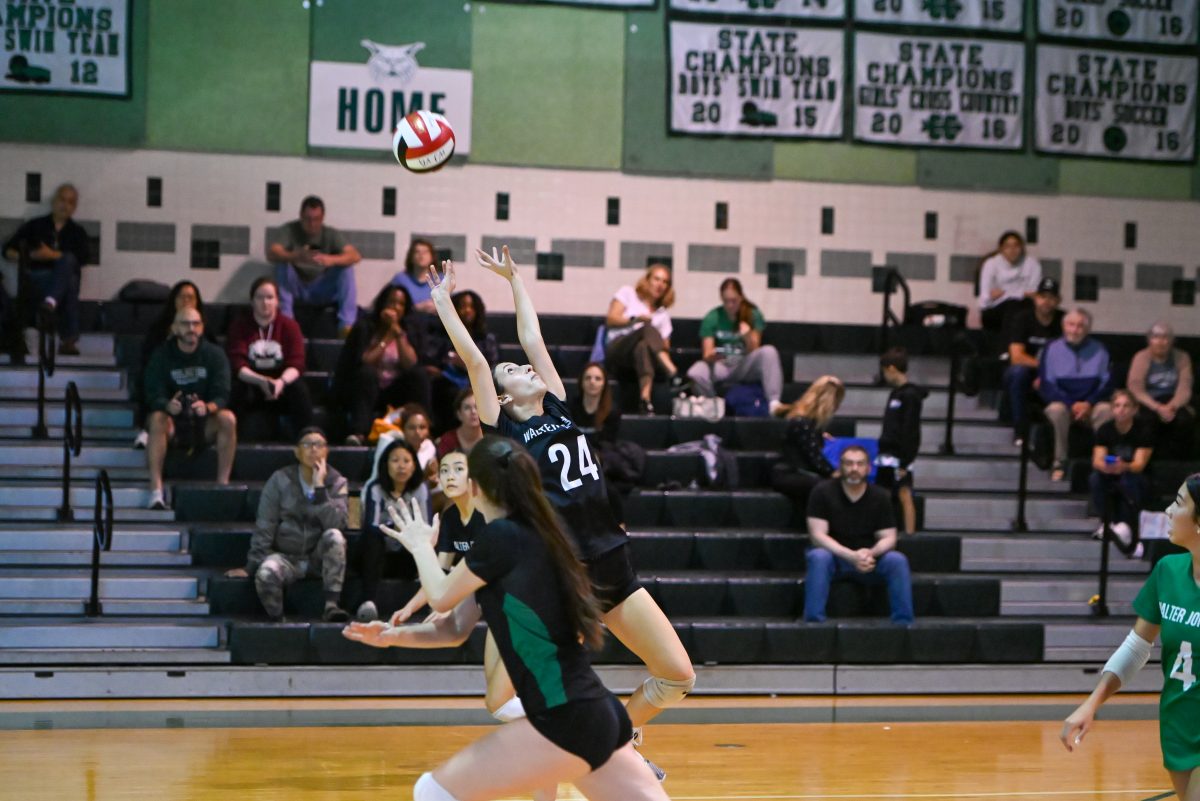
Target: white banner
[[76, 48], [982, 15], [1154, 21], [357, 105], [1094, 102], [754, 80], [792, 9], [943, 92]]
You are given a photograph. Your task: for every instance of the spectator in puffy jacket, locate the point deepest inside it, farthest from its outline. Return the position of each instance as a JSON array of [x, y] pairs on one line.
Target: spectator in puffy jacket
[[1074, 382]]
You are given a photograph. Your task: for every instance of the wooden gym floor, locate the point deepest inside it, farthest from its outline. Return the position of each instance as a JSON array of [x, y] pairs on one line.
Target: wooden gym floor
[[278, 750]]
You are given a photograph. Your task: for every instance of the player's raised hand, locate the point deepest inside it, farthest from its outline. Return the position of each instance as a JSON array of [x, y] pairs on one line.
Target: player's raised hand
[[410, 528], [500, 263], [442, 284]]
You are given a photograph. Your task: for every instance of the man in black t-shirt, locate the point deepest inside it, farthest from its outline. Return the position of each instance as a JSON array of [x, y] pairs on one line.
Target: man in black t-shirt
[[1029, 331], [853, 533]]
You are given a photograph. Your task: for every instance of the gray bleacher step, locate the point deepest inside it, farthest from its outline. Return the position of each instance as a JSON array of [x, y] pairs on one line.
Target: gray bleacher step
[[82, 360], [104, 634], [941, 467], [85, 473], [164, 559], [59, 607], [49, 514], [114, 656], [1060, 608], [1108, 634], [92, 436], [95, 417], [80, 495], [869, 403], [55, 395], [862, 369], [76, 583], [975, 433], [50, 454], [1040, 484], [955, 511], [85, 379], [76, 538], [1097, 654], [1065, 595], [91, 344], [1026, 553]]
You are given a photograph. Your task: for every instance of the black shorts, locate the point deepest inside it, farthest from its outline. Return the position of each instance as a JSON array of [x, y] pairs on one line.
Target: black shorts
[[886, 477], [613, 577], [591, 730]]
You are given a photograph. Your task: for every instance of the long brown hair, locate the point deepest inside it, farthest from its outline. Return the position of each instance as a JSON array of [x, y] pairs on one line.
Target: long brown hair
[[642, 287], [821, 401], [746, 309], [509, 477], [604, 407]]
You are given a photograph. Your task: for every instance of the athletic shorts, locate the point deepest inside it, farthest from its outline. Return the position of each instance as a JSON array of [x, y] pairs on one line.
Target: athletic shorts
[[613, 577], [886, 477], [591, 730]]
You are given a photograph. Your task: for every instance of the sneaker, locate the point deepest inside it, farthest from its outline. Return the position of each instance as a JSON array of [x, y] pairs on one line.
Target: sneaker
[[68, 347], [366, 612], [1123, 533], [679, 384], [1018, 443], [355, 440], [658, 772], [1138, 552], [1058, 471], [334, 613], [157, 502], [645, 407], [1098, 534], [141, 440]]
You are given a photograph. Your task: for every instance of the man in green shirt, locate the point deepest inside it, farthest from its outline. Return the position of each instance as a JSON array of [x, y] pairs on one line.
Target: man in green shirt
[[731, 349]]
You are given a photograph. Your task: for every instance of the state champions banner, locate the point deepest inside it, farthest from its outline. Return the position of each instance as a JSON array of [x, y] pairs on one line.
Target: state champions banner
[[789, 9], [754, 80], [1002, 16], [1093, 102], [1171, 22], [71, 48], [939, 92]]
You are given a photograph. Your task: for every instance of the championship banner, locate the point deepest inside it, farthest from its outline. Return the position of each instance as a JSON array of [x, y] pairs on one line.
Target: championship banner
[[1171, 22], [1005, 16], [753, 80], [943, 92], [74, 48], [358, 105], [789, 9], [1094, 102]]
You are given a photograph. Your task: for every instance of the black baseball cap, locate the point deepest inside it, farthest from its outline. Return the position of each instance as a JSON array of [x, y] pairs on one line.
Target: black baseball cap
[[1048, 286]]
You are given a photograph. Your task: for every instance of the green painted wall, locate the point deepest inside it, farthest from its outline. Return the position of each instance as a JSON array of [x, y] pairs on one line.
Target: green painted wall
[[228, 75], [1004, 172], [76, 119], [1117, 179], [556, 104], [845, 163]]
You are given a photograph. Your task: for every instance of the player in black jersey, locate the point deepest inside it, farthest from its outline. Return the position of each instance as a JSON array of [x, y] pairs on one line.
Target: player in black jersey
[[527, 403], [537, 599]]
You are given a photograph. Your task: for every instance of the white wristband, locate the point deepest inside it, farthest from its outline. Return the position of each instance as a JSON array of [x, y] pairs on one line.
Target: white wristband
[[1129, 658]]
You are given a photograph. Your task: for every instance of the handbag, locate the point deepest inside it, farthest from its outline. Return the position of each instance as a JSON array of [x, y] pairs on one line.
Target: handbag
[[705, 408]]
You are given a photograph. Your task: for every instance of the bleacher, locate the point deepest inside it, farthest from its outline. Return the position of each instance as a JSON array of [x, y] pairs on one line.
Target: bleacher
[[727, 566]]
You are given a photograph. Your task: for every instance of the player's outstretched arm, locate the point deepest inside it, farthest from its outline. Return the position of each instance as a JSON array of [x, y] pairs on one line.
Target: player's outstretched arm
[[529, 330], [447, 631], [478, 370]]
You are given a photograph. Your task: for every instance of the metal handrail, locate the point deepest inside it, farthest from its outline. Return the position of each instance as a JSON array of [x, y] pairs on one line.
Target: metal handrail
[[959, 347], [892, 279], [1099, 602], [1020, 525], [72, 446], [46, 364], [102, 537]]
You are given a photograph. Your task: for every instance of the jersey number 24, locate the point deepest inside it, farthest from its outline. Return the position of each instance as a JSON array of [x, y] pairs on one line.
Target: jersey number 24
[[587, 467]]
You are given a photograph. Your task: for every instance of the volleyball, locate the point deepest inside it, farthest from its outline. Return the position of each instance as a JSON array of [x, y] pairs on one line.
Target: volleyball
[[423, 141]]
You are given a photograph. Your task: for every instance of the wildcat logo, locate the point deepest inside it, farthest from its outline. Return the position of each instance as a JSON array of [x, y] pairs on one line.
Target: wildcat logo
[[393, 62]]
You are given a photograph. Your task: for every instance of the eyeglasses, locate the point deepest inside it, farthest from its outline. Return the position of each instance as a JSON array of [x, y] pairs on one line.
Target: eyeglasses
[[314, 445]]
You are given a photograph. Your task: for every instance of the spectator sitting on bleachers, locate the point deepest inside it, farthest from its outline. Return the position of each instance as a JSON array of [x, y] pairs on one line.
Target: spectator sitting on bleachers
[[183, 295], [593, 408], [266, 357], [853, 533], [302, 514], [415, 275], [900, 437], [379, 364], [1030, 330], [58, 250], [187, 390], [398, 480], [1007, 279], [638, 340], [314, 265], [804, 465], [1123, 449], [731, 349], [1160, 378], [415, 425], [1074, 380], [468, 432], [447, 370]]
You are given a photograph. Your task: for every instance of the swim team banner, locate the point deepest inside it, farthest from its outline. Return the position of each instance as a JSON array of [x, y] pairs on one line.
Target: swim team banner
[[1007, 16], [939, 92], [80, 47], [754, 80], [1153, 21], [1093, 102], [779, 9]]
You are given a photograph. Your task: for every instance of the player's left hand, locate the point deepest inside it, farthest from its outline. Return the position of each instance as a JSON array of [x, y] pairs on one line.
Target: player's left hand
[[500, 263], [367, 633], [410, 529]]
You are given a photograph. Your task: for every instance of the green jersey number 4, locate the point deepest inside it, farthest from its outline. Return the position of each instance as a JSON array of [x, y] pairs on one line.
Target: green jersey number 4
[[1182, 669]]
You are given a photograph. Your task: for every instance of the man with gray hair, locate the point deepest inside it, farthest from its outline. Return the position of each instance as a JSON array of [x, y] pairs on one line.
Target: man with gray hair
[[1074, 381], [1160, 378]]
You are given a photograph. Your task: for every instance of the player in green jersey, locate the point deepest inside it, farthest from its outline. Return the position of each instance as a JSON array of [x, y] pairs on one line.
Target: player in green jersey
[[1169, 603]]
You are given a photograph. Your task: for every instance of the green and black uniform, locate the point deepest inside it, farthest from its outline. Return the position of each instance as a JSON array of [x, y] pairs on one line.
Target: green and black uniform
[[1170, 598], [525, 609]]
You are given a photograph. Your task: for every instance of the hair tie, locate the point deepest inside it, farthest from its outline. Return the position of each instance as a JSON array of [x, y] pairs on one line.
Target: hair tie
[[505, 457]]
